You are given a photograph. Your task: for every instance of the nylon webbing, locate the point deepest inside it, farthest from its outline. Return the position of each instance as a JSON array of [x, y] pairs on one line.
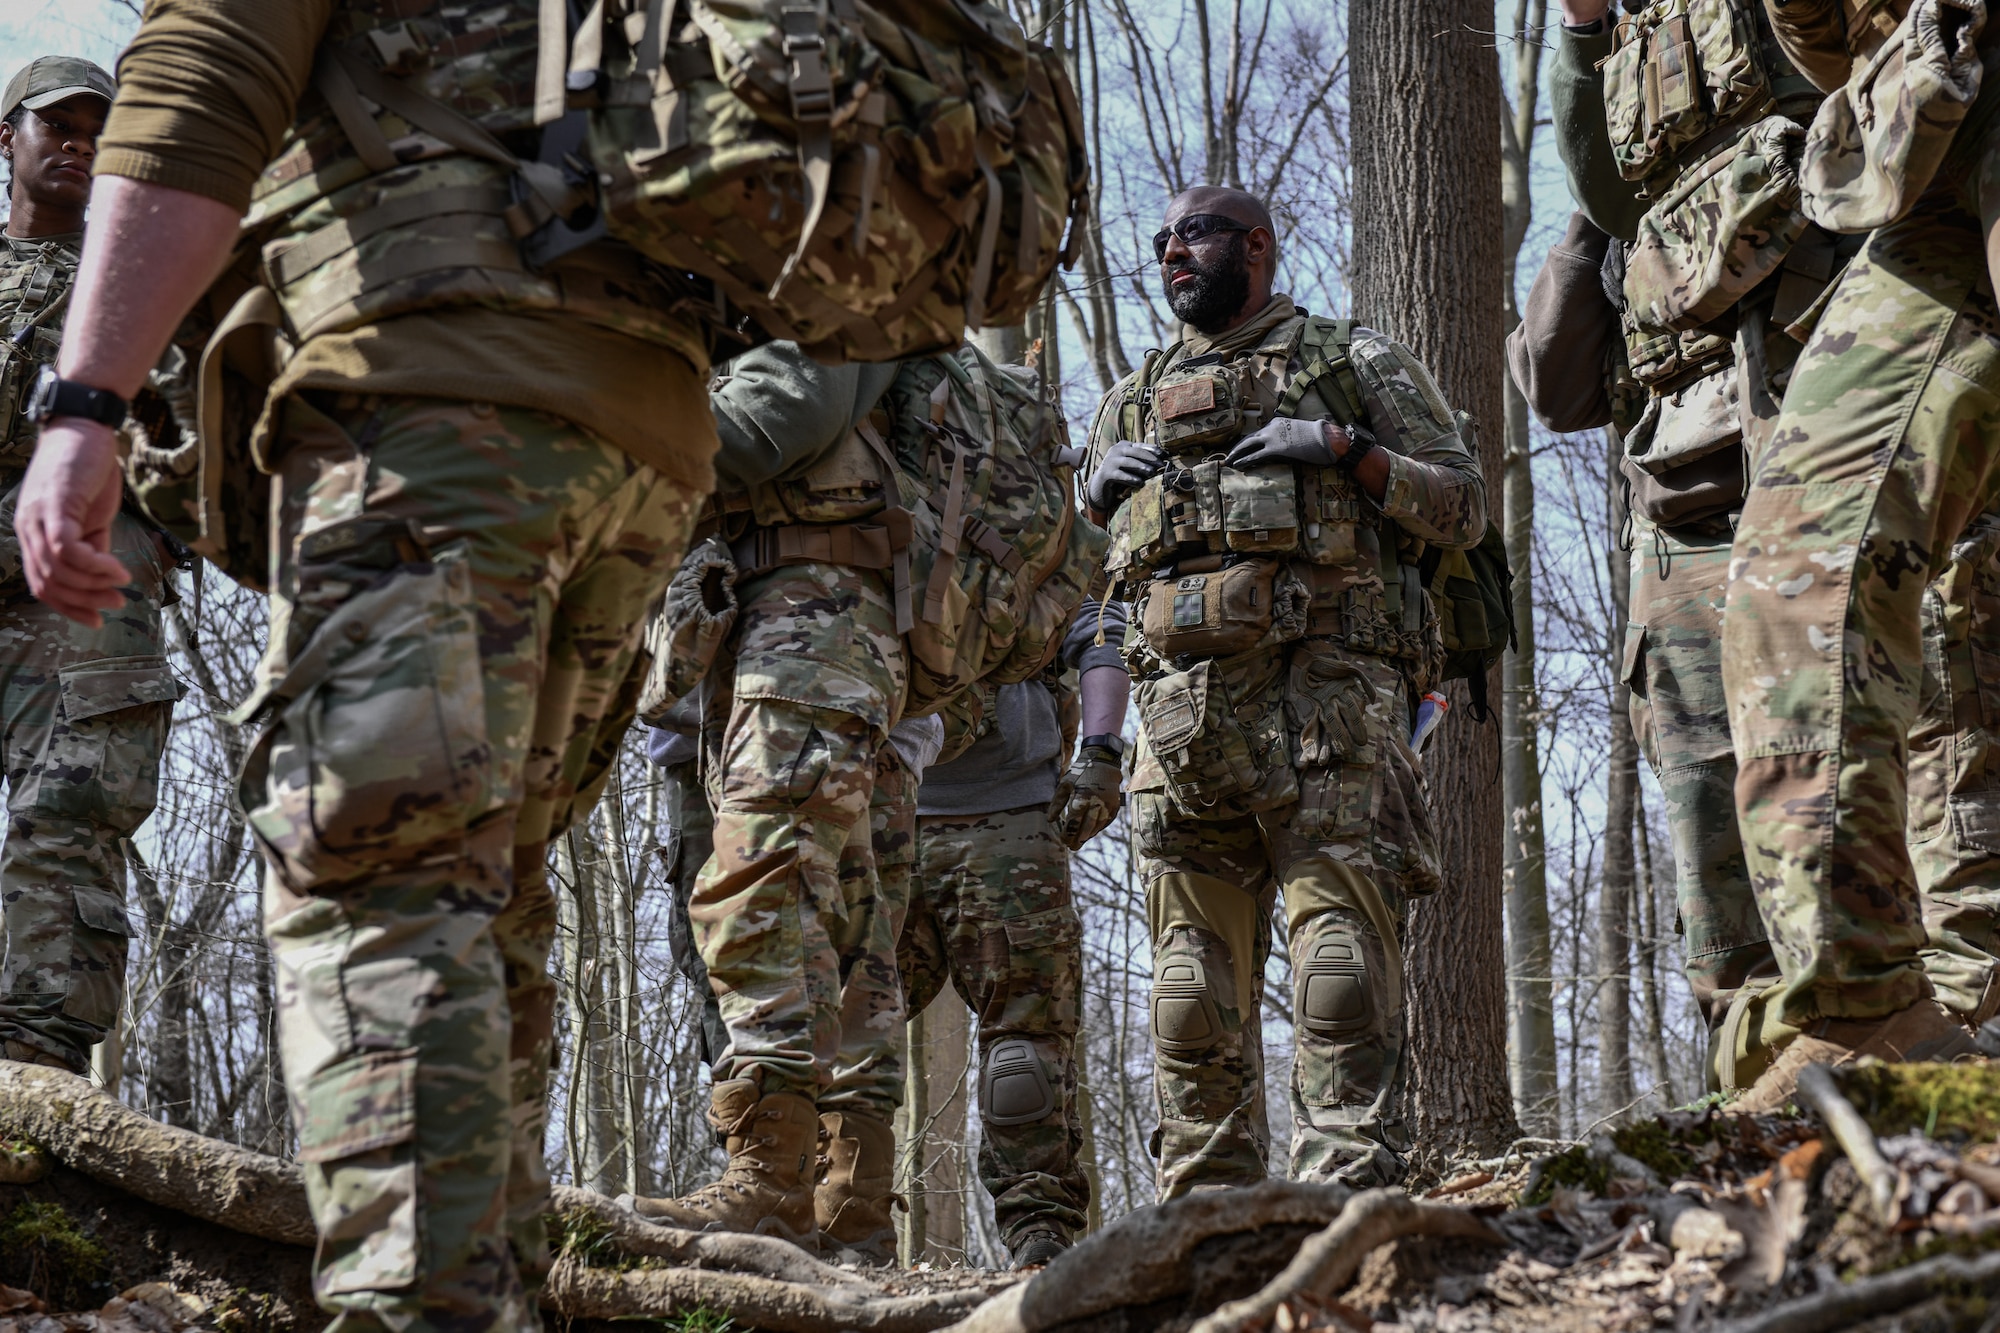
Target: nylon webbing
[[337, 238], [948, 535]]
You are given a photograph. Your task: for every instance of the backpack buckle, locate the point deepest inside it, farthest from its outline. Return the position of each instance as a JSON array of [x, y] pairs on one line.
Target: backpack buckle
[[804, 46]]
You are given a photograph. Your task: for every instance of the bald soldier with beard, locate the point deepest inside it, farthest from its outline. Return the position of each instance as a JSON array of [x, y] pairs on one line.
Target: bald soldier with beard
[[1272, 480]]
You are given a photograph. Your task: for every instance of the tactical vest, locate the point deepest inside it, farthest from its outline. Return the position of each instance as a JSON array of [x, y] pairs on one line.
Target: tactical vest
[[1707, 115], [1218, 560], [365, 214], [35, 281]]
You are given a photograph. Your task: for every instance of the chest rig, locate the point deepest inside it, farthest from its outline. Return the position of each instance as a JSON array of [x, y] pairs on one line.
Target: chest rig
[[35, 282], [1219, 560]]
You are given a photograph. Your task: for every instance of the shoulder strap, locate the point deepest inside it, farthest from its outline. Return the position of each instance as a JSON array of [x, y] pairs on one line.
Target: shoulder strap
[[1323, 346]]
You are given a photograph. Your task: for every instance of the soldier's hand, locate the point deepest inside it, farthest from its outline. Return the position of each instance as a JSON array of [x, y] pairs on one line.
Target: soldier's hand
[[63, 520], [1288, 440], [1088, 796], [1126, 464]]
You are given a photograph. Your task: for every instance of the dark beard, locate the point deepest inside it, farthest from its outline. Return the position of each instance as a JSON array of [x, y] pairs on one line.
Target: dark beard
[[1218, 291]]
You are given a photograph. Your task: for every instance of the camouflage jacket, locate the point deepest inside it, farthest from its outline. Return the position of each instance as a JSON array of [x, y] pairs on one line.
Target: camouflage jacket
[[35, 278]]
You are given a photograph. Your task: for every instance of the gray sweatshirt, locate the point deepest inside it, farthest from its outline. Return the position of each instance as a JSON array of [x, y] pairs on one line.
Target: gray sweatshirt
[[1018, 762]]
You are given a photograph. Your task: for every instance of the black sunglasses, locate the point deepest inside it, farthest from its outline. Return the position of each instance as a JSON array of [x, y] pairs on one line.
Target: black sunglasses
[[1192, 228]]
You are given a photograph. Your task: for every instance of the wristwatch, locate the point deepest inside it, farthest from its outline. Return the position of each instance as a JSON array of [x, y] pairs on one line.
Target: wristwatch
[[1103, 741], [54, 396], [1360, 443]]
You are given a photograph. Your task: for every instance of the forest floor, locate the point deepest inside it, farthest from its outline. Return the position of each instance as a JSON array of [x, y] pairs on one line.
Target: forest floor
[[1877, 1208]]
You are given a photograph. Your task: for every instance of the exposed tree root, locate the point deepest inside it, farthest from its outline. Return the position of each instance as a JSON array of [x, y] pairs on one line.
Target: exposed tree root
[[1146, 1255], [1817, 1090], [1851, 1302], [761, 1256], [175, 1168], [1327, 1263], [753, 1302]]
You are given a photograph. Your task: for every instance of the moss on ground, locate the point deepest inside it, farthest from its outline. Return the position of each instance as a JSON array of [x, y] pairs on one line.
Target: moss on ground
[[1942, 1101], [44, 1250]]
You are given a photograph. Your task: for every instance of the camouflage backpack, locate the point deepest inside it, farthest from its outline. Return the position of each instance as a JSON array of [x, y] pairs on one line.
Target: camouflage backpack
[[960, 487]]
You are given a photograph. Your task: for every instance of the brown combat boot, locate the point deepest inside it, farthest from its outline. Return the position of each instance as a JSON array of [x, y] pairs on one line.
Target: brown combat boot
[[767, 1187], [853, 1199], [1926, 1031]]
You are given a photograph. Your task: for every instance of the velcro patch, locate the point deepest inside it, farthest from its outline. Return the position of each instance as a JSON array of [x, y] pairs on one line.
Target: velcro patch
[[1185, 399]]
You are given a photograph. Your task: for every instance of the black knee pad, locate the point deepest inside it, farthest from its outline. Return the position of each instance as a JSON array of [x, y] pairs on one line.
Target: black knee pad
[[1014, 1089], [1335, 995], [1186, 1018]]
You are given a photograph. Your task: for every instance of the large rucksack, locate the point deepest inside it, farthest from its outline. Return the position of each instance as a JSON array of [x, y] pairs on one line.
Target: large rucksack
[[864, 177], [966, 505]]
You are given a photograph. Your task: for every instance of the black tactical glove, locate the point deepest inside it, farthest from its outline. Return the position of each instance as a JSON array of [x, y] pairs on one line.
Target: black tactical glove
[[1289, 440], [1126, 464], [1088, 797]]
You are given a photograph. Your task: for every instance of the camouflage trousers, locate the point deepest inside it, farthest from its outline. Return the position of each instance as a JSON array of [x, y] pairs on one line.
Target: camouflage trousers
[[1887, 456], [1343, 857], [1673, 664], [992, 916], [85, 715], [794, 920], [458, 592]]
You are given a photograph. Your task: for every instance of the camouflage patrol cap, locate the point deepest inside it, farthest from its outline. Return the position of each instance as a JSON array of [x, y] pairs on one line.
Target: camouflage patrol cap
[[50, 79]]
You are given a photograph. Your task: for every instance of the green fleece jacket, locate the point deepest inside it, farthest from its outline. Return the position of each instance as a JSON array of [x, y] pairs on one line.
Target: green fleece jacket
[[1576, 89], [778, 411]]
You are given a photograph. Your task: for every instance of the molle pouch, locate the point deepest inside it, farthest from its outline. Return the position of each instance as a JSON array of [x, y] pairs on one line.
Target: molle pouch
[[1217, 731], [1876, 144], [1142, 522], [1624, 75], [1260, 508], [1688, 423], [1198, 406], [1214, 614], [1671, 91], [1330, 514], [1724, 228]]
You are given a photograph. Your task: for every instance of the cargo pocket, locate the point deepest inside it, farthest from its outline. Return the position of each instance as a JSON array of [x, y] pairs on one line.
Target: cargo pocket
[[374, 752], [1044, 971], [96, 974], [1327, 706], [1632, 671], [102, 763], [357, 1124]]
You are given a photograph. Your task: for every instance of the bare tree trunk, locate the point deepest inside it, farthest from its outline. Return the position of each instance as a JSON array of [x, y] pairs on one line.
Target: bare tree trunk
[[1614, 908], [1657, 1065], [910, 1133], [945, 1180], [1427, 253]]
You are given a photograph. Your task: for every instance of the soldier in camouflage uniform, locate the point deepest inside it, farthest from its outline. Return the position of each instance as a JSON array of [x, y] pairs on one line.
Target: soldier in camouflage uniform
[[991, 915], [84, 711], [1285, 637], [1882, 472], [1711, 395], [795, 921], [479, 485]]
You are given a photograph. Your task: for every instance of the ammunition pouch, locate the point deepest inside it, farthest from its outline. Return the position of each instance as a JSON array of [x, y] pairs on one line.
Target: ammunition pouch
[[1217, 730]]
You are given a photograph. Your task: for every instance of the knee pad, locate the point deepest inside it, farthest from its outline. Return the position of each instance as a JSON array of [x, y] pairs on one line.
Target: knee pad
[[1186, 1019], [1334, 996], [1014, 1089]]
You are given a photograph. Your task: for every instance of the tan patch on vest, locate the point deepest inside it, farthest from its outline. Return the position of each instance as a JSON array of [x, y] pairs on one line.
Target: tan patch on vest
[[1186, 399]]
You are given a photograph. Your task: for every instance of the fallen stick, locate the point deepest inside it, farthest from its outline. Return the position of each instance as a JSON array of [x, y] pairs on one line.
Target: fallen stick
[[1818, 1091], [1849, 1303], [1327, 1263], [755, 1302]]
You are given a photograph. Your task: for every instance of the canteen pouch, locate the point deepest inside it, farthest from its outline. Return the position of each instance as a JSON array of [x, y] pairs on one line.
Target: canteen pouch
[[1722, 230], [1250, 604], [1876, 144], [1217, 731]]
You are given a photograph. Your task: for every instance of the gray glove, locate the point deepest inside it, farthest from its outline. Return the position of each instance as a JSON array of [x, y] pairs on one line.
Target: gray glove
[[1284, 440], [1126, 464]]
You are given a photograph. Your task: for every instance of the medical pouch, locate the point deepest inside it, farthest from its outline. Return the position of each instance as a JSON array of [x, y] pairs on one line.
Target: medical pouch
[[1217, 731], [1249, 604]]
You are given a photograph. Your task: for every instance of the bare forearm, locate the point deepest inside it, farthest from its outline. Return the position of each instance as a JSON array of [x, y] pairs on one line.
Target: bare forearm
[[1105, 692], [152, 252]]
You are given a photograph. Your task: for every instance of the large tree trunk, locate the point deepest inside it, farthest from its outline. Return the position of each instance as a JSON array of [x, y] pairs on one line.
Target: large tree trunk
[[1427, 262]]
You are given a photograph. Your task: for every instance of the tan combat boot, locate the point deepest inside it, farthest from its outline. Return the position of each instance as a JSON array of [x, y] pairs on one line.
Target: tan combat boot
[[767, 1187], [853, 1199], [1926, 1031]]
